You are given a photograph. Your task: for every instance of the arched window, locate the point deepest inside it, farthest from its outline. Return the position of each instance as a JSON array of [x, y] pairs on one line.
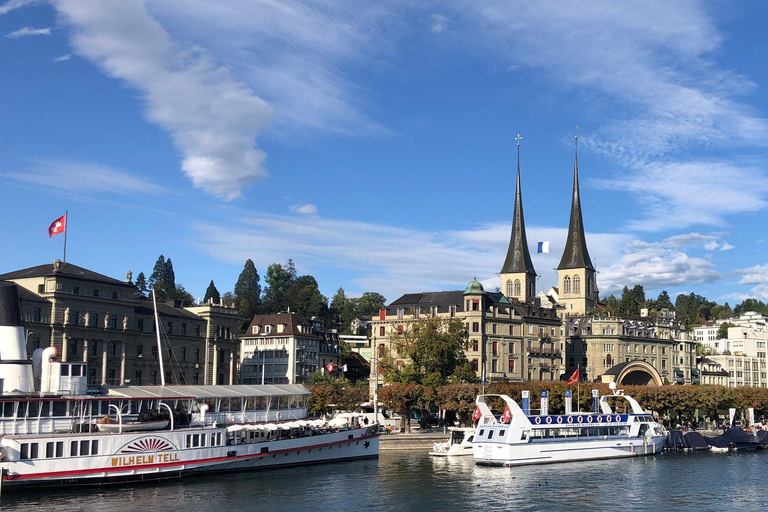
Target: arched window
[[608, 360], [567, 284], [576, 284], [517, 287], [509, 288]]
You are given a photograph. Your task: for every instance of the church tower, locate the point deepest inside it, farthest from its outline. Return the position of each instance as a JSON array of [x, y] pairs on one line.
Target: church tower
[[576, 274], [518, 277]]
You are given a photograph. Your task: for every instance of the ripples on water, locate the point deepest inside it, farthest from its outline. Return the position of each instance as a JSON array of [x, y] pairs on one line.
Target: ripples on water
[[415, 481]]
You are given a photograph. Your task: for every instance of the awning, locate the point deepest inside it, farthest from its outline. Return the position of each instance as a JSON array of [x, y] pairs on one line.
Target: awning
[[679, 373], [695, 373]]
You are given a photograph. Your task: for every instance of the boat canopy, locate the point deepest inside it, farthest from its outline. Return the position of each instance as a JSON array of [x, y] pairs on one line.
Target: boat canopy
[[191, 392]]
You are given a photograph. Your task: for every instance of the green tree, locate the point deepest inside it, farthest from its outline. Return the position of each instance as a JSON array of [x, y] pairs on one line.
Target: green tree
[[157, 272], [141, 285], [611, 303], [722, 331], [343, 310], [228, 299], [369, 305], [664, 301], [168, 275], [186, 298], [722, 312], [691, 309], [277, 279], [303, 296], [752, 305], [212, 293], [247, 294], [631, 302], [433, 349]]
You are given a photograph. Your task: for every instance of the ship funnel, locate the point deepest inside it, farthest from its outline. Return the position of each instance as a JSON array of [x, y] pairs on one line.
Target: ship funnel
[[15, 367]]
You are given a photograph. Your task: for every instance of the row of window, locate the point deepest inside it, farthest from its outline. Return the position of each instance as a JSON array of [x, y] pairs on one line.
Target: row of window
[[55, 449], [199, 440]]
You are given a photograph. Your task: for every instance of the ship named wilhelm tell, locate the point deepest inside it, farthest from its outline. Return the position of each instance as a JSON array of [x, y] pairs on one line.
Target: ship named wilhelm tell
[[55, 434]]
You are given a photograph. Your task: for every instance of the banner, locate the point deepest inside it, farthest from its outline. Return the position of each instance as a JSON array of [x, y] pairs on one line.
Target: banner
[[568, 402], [526, 399], [544, 402], [731, 414], [595, 400]]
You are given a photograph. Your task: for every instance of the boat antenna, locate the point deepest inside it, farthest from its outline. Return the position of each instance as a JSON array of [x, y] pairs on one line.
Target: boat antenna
[[159, 347]]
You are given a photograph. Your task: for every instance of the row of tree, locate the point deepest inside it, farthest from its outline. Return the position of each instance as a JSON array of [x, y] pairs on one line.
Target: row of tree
[[676, 403], [691, 309], [284, 290]]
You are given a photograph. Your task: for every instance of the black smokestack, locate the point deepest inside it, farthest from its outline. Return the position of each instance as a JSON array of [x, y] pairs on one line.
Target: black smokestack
[[10, 310]]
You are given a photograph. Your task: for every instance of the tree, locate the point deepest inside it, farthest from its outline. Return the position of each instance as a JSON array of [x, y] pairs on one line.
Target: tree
[[722, 312], [228, 299], [303, 296], [631, 302], [612, 303], [664, 301], [369, 305], [157, 271], [212, 293], [722, 331], [186, 298], [752, 305], [141, 285], [278, 279], [434, 349], [691, 308], [343, 310], [247, 294], [168, 275]]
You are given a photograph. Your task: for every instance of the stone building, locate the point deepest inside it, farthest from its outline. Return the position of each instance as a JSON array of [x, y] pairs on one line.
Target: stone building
[[99, 320]]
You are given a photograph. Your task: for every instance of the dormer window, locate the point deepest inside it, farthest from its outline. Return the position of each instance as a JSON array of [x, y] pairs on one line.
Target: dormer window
[[255, 329], [280, 328], [267, 329]]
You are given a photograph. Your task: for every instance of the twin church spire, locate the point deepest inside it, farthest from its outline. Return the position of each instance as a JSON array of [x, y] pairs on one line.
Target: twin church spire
[[518, 276]]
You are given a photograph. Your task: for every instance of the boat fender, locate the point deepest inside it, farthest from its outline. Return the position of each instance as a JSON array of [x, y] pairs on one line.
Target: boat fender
[[279, 415]]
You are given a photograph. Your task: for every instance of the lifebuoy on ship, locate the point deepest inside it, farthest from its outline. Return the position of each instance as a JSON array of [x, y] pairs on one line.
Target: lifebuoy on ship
[[570, 419], [538, 420], [279, 415], [549, 420], [559, 419], [589, 419]]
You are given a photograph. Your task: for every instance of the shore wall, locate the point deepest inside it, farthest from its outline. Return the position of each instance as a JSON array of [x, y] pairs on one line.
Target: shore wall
[[413, 441]]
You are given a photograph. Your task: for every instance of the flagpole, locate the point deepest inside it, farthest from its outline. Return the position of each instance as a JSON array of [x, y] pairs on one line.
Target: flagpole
[[578, 389], [66, 228]]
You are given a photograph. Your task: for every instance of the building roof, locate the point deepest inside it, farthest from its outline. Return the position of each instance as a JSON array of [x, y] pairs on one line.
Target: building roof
[[67, 270], [575, 254], [292, 322], [241, 390], [474, 287], [443, 300], [518, 257], [164, 310]]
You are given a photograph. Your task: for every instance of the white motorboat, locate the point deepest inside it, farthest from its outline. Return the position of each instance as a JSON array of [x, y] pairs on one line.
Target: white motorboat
[[459, 444], [565, 437]]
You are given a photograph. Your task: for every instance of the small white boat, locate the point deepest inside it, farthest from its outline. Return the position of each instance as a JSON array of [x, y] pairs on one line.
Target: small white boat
[[459, 444], [132, 426]]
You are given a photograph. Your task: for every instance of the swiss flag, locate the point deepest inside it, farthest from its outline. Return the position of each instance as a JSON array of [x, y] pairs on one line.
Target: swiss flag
[[477, 414], [574, 378], [329, 367], [507, 416], [58, 226]]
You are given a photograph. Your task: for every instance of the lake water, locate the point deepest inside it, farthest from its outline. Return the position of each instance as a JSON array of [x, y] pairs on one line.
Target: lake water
[[408, 480]]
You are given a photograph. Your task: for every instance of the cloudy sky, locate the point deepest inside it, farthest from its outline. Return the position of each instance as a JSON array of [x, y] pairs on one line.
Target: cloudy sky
[[374, 142]]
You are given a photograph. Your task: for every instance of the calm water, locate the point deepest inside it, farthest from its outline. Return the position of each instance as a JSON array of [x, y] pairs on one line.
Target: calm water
[[415, 481]]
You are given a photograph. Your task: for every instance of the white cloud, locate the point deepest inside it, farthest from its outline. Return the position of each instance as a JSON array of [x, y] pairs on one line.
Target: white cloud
[[82, 178], [28, 31], [726, 247], [753, 275], [304, 209], [10, 5], [439, 23], [711, 246], [212, 118], [62, 58]]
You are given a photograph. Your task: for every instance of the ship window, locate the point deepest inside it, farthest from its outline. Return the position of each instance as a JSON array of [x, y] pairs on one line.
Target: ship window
[[213, 439], [49, 450], [73, 449], [59, 408], [59, 448], [490, 434], [8, 410], [501, 432], [83, 447], [94, 447], [481, 432]]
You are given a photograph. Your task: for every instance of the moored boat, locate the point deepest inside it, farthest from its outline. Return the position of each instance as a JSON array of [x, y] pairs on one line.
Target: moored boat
[[55, 433], [459, 444], [519, 439]]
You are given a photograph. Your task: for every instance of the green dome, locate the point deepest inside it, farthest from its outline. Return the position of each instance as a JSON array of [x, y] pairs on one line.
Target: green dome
[[474, 288]]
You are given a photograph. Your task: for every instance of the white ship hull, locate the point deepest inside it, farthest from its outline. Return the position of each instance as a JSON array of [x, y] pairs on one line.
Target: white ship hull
[[160, 455], [568, 451]]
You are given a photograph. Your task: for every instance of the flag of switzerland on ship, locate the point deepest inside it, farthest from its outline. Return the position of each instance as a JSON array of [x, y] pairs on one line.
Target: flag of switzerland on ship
[[477, 414], [57, 226], [329, 367]]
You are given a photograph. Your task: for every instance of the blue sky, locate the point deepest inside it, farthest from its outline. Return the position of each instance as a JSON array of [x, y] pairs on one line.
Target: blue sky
[[373, 142]]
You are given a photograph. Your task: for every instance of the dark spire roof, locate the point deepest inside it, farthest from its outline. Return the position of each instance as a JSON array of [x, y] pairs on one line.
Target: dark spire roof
[[518, 258], [576, 254]]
